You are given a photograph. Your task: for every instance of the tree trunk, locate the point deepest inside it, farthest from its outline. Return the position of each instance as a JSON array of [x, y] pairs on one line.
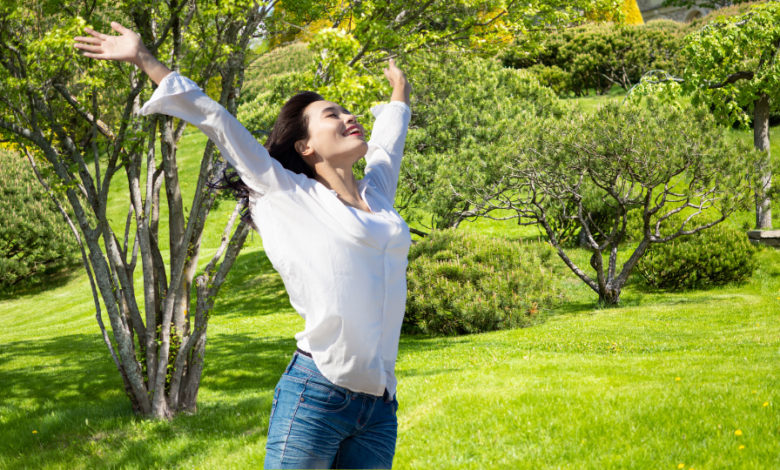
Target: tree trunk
[[761, 142], [609, 297]]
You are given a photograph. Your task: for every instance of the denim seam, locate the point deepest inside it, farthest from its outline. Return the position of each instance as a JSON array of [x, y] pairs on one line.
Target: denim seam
[[294, 379], [274, 402], [287, 435], [357, 422]]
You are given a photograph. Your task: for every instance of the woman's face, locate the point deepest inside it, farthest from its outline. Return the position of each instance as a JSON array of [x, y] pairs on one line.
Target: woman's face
[[335, 136]]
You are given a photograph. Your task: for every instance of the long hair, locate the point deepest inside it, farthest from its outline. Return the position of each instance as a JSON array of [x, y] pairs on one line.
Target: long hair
[[291, 126]]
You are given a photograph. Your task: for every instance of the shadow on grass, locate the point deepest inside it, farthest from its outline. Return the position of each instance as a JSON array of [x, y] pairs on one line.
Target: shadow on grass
[[52, 278], [67, 389], [252, 288], [74, 396]]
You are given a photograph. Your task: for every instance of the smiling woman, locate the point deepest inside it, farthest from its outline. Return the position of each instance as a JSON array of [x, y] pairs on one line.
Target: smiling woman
[[338, 244]]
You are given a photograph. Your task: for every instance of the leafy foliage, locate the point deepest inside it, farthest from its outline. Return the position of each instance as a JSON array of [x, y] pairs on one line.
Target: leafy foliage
[[260, 75], [33, 235], [357, 38], [462, 283], [730, 62], [260, 113], [600, 56], [59, 102], [733, 66]]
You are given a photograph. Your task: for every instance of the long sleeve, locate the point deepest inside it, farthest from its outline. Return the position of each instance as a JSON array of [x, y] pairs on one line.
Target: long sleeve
[[386, 146], [180, 97]]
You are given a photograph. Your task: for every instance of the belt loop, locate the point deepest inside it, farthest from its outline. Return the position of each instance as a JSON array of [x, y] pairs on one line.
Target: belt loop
[[289, 366]]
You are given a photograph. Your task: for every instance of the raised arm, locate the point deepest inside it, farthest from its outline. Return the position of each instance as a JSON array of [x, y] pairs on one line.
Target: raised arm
[[180, 97], [125, 48], [386, 146]]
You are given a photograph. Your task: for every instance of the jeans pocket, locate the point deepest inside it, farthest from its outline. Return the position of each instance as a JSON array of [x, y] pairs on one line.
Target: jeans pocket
[[321, 395]]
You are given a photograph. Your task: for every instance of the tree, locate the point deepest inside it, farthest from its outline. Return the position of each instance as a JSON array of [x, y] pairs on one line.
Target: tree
[[661, 160], [354, 38], [77, 118], [732, 64]]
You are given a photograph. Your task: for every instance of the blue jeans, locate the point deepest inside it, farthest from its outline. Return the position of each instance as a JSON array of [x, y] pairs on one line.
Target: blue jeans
[[317, 424]]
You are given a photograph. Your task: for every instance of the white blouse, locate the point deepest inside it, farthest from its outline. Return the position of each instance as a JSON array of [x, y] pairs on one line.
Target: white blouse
[[344, 269]]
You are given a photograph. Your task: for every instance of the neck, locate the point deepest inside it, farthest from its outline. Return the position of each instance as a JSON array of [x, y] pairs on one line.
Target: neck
[[339, 179]]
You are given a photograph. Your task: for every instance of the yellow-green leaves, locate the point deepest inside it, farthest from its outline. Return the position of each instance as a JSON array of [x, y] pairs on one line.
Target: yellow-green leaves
[[727, 46], [338, 81]]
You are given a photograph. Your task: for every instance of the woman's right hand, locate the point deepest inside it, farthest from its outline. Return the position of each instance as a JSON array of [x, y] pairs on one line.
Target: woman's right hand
[[125, 48]]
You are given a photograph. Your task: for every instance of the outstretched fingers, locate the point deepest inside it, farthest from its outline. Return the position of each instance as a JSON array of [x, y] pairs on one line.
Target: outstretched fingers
[[88, 40], [119, 28], [97, 34], [87, 48]]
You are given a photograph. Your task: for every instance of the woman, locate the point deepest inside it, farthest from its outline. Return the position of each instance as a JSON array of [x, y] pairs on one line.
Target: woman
[[338, 244]]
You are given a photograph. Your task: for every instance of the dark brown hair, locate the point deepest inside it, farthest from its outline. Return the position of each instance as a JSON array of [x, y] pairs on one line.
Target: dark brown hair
[[291, 126]]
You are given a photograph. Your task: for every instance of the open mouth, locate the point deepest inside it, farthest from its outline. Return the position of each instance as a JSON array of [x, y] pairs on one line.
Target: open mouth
[[353, 131]]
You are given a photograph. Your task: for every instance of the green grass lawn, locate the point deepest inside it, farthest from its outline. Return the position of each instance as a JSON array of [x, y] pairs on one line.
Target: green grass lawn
[[665, 379]]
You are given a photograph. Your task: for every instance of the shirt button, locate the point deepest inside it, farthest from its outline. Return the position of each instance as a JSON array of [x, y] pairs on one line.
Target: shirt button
[[301, 398]]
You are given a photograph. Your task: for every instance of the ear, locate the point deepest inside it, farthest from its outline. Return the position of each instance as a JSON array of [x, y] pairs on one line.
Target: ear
[[305, 150]]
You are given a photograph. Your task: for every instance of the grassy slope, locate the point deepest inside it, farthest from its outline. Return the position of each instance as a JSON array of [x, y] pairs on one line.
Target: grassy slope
[[588, 389]]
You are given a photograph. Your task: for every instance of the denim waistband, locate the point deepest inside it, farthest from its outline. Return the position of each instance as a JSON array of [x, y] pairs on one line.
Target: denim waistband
[[308, 363]]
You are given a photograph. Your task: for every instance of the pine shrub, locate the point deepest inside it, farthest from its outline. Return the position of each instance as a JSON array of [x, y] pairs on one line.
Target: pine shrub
[[597, 57], [460, 283], [33, 236], [716, 256]]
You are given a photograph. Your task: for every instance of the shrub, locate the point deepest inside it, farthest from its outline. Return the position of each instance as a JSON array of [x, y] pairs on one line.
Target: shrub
[[716, 256], [464, 283], [600, 56], [33, 236], [552, 76]]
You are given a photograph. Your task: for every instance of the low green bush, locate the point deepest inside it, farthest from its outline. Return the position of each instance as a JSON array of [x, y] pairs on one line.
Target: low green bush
[[718, 255], [460, 283], [597, 57], [33, 236]]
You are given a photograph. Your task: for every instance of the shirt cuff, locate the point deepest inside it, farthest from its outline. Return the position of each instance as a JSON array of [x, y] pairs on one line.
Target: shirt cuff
[[172, 84], [377, 110]]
